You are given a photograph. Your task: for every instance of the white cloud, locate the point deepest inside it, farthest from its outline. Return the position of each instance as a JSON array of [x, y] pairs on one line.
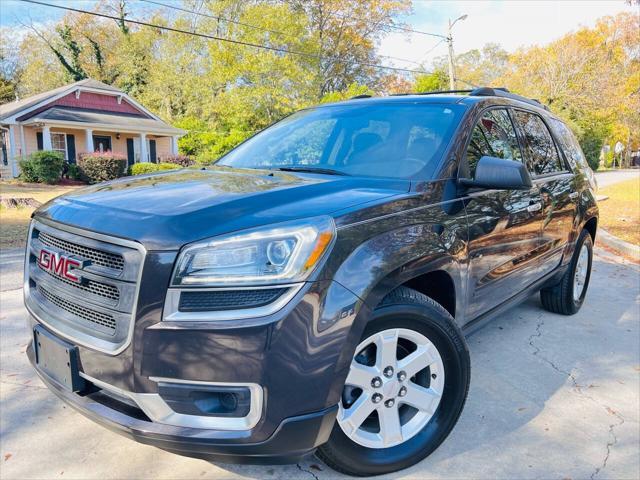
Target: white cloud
[[512, 24]]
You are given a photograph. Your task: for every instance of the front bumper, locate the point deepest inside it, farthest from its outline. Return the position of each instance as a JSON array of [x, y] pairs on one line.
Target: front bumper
[[298, 357], [294, 438]]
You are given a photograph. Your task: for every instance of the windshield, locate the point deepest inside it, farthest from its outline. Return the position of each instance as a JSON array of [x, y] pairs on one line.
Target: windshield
[[383, 140]]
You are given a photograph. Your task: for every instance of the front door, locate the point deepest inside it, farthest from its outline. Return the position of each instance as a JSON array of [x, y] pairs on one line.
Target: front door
[[504, 225], [552, 176], [101, 143]]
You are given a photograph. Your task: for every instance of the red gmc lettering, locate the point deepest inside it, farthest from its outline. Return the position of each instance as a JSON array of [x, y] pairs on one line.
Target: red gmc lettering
[[59, 265]]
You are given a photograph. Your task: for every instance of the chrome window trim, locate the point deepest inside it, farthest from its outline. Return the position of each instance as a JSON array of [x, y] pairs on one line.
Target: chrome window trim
[[80, 338], [154, 406], [172, 300]]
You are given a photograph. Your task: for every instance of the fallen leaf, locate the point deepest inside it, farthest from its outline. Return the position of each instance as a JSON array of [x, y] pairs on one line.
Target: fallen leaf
[[7, 456]]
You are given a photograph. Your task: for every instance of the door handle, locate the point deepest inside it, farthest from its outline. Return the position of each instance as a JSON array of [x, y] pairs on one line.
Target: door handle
[[534, 207], [573, 195]]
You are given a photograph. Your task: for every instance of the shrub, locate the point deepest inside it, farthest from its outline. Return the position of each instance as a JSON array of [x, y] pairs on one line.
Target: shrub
[[26, 171], [167, 166], [102, 166], [44, 166], [74, 172], [182, 160], [142, 168]]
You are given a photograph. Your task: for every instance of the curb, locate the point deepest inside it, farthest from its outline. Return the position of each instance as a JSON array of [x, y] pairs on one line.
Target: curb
[[615, 243]]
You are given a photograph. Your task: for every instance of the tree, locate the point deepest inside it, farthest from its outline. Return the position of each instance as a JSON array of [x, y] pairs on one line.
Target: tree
[[433, 82], [346, 33]]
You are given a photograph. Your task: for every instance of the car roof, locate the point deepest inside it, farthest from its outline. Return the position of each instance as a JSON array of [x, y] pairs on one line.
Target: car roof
[[484, 95]]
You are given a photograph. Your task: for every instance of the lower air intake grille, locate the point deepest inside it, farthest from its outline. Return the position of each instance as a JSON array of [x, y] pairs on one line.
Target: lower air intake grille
[[103, 320], [216, 300]]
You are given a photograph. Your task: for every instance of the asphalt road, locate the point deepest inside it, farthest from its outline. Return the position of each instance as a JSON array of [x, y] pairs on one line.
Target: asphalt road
[[551, 397], [610, 177]]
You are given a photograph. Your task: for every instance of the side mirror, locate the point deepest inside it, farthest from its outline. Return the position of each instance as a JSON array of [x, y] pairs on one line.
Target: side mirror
[[500, 174]]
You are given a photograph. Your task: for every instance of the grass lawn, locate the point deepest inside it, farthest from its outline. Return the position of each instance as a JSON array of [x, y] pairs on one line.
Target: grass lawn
[[14, 222], [620, 213]]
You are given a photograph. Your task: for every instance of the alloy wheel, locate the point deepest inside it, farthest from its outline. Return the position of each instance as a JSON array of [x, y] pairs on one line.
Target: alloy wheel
[[393, 388], [581, 272]]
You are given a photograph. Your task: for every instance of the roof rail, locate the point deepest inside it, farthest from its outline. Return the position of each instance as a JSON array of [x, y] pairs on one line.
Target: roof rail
[[503, 92], [435, 92], [364, 95]]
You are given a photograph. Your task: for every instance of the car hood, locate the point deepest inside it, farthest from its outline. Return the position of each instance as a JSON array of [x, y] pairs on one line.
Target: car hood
[[165, 211]]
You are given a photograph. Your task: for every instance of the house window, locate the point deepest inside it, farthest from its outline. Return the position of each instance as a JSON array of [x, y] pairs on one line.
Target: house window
[[59, 143]]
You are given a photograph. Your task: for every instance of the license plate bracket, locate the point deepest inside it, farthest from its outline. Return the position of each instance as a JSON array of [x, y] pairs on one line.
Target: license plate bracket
[[58, 359]]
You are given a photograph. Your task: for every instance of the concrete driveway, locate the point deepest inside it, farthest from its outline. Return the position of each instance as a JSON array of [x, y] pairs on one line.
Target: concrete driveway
[[551, 397]]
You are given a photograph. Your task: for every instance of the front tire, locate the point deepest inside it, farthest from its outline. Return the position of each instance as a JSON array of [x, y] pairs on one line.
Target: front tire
[[567, 296], [405, 391]]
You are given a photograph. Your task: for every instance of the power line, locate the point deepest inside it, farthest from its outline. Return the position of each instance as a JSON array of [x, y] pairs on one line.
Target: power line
[[396, 27], [221, 39], [424, 57], [215, 17], [244, 24]]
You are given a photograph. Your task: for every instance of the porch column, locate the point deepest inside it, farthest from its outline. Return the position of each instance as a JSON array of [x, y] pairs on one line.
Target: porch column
[[174, 145], [13, 157], [23, 143], [46, 138], [88, 140], [144, 155]]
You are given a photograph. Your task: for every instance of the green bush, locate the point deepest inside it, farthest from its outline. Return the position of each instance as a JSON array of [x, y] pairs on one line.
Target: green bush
[[44, 166], [145, 167], [142, 168], [74, 172], [27, 173], [102, 166]]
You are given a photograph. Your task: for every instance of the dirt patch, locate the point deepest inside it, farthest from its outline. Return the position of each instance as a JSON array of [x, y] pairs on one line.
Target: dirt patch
[[17, 202]]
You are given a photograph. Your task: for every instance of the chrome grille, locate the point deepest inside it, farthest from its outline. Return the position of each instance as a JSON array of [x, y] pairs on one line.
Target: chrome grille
[[102, 319], [98, 311], [89, 286], [105, 259]]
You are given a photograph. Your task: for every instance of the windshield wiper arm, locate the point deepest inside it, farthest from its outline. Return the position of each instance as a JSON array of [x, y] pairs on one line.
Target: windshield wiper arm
[[299, 168]]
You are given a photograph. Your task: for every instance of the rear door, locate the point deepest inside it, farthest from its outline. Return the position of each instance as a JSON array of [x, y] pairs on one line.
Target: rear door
[[504, 225], [555, 181]]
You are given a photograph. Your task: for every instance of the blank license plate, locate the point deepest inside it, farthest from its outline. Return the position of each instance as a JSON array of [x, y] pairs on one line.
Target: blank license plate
[[57, 358]]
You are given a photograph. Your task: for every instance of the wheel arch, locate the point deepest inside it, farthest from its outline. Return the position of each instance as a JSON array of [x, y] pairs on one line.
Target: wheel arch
[[591, 226]]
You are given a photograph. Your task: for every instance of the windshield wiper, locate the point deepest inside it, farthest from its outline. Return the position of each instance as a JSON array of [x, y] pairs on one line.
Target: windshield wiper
[[299, 168]]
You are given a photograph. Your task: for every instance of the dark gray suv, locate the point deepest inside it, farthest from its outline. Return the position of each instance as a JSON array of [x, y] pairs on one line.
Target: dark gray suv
[[312, 290]]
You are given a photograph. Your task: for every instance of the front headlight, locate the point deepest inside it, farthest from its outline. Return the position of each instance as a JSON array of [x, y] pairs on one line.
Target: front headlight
[[275, 254]]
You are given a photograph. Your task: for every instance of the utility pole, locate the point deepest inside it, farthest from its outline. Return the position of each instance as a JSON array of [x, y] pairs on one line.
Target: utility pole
[[452, 68]]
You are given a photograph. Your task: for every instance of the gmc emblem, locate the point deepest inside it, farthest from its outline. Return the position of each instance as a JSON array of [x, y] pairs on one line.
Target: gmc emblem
[[60, 265]]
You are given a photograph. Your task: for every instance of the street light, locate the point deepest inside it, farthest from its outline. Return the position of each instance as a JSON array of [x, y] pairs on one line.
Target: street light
[[452, 81]]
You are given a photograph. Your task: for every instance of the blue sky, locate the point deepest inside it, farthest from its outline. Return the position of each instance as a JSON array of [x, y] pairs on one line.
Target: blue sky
[[512, 24]]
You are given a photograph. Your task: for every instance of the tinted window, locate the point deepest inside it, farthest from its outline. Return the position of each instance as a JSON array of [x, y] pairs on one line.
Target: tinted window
[[385, 140], [569, 144], [541, 153], [493, 136]]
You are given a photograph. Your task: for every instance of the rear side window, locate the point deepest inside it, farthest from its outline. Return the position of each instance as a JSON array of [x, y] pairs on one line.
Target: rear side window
[[540, 150], [493, 136], [569, 144]]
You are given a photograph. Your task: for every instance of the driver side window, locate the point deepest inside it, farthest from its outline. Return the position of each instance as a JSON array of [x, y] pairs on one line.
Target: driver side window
[[492, 136]]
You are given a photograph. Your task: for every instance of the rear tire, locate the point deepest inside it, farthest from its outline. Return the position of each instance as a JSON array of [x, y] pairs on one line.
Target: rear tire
[[412, 316], [567, 296]]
